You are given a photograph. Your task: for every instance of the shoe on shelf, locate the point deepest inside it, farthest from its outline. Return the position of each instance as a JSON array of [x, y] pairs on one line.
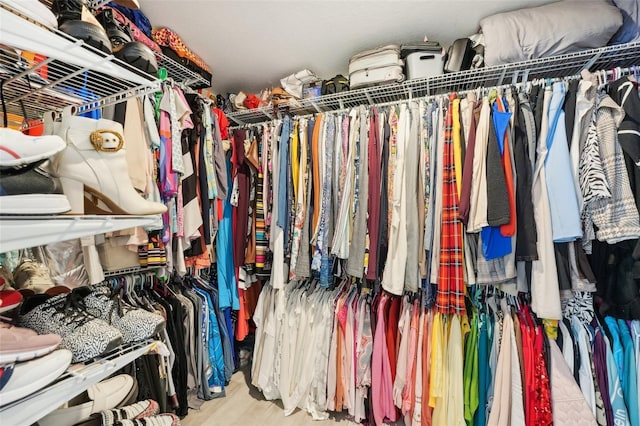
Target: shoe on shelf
[[18, 344], [105, 395], [83, 334], [91, 33], [130, 4], [6, 371], [73, 10], [9, 300], [165, 419], [31, 376], [6, 279], [93, 169], [112, 417], [18, 149], [58, 289], [32, 275], [33, 10], [30, 190], [135, 324]]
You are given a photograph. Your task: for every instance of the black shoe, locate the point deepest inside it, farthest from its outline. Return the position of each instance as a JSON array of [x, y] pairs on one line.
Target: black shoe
[[140, 56], [30, 190], [67, 10], [93, 35], [117, 32]]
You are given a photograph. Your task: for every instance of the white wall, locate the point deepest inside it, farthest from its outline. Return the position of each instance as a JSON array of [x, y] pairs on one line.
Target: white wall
[[252, 44]]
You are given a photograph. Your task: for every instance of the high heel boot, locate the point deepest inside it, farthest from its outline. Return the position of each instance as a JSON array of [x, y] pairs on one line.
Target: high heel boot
[[93, 169]]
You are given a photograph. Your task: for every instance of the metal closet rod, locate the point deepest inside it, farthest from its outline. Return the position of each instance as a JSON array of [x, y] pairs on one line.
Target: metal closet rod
[[618, 71]]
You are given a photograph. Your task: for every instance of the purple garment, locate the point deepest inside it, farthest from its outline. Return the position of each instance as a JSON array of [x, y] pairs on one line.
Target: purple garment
[[600, 366], [374, 196]]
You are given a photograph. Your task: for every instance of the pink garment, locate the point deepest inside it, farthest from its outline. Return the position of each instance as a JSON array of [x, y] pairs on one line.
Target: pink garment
[[381, 381], [410, 383]]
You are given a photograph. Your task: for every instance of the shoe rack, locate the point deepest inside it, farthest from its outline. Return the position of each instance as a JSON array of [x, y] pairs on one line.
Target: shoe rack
[[43, 69], [60, 70], [18, 232], [30, 409]]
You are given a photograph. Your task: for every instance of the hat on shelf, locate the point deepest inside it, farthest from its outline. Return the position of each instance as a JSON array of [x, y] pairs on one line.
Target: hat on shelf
[[238, 101], [32, 275]]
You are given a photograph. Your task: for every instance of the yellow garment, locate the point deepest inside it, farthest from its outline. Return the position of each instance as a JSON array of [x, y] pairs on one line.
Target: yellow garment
[[295, 165], [457, 145], [438, 352], [551, 328]]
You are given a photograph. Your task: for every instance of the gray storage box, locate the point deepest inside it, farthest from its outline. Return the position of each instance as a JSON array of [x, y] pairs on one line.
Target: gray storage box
[[424, 64]]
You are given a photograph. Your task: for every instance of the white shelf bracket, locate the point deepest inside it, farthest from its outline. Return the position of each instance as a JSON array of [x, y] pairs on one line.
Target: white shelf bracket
[[514, 77], [501, 79], [369, 98], [592, 61]]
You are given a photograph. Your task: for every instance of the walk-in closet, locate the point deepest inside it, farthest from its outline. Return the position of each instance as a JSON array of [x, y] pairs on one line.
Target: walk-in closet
[[256, 213]]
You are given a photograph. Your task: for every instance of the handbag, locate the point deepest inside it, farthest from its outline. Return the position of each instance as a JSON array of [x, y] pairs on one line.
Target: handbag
[[337, 84], [293, 83]]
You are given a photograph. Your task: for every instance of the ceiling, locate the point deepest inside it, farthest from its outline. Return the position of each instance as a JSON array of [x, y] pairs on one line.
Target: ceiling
[[251, 45]]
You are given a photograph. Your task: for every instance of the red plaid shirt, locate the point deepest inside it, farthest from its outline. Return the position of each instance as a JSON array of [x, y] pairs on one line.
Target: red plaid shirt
[[451, 288]]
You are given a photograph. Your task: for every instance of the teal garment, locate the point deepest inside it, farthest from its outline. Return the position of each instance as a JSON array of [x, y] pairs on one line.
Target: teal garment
[[616, 345], [226, 272], [216, 374], [630, 378], [480, 418], [618, 406]]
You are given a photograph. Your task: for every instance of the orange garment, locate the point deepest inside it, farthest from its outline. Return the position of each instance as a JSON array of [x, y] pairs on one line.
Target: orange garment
[[242, 325], [315, 159], [508, 229]]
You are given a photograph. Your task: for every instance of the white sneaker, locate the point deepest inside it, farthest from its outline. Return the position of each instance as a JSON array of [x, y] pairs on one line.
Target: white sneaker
[[18, 149], [102, 396], [31, 376]]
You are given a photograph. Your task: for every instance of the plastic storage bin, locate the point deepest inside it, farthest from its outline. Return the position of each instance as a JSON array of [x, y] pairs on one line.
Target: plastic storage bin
[[424, 64]]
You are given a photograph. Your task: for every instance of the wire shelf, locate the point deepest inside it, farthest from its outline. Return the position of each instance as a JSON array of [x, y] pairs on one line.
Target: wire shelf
[[181, 74], [43, 69], [623, 55], [74, 381], [132, 270]]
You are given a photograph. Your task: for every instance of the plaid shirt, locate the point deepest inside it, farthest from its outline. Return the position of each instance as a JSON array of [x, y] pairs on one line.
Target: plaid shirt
[[450, 294]]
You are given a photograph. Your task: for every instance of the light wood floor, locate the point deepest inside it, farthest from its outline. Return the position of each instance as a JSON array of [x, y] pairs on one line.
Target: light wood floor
[[244, 405]]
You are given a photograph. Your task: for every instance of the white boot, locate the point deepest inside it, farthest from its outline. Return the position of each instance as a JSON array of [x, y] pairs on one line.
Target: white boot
[[93, 169]]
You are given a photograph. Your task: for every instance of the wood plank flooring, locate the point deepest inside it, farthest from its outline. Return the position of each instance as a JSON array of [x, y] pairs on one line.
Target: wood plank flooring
[[244, 405]]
